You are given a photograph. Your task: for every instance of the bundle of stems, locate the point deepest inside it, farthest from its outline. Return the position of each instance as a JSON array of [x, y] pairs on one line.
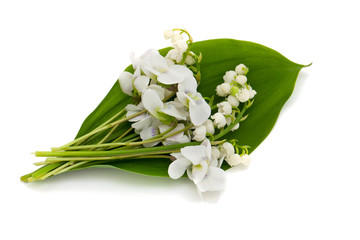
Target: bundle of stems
[[80, 154]]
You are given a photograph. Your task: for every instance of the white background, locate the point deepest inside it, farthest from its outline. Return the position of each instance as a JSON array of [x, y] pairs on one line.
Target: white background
[[58, 59]]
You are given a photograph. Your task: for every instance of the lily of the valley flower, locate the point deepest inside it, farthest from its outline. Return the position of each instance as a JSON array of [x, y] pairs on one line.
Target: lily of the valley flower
[[236, 159], [219, 120], [201, 168], [198, 108], [199, 133]]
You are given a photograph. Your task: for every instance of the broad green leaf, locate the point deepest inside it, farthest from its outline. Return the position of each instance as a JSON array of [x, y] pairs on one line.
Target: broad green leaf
[[272, 75]]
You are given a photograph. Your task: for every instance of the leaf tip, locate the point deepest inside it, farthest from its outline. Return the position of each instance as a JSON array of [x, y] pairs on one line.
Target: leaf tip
[[304, 66]]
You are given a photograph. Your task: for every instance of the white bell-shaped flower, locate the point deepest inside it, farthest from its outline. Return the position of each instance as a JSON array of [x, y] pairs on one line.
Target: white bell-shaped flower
[[199, 133], [233, 160], [241, 79], [223, 89], [243, 95], [233, 101], [241, 69], [219, 120], [209, 125], [245, 160], [229, 76], [224, 108], [227, 149]]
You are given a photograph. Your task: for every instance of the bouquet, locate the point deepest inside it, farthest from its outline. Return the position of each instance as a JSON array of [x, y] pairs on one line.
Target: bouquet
[[192, 110]]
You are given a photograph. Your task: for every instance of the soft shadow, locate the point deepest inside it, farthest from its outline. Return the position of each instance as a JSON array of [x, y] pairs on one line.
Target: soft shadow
[[109, 180]]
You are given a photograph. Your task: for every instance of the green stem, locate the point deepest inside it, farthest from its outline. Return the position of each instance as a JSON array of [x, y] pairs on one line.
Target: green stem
[[106, 137], [160, 137], [111, 153], [97, 130], [128, 156], [104, 123], [71, 167], [123, 135]]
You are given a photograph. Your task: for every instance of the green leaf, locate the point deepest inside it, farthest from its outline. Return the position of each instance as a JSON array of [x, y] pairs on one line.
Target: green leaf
[[272, 75]]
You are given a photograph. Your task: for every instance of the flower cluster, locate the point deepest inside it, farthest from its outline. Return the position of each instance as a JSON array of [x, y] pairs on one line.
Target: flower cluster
[[169, 119], [155, 81], [171, 111], [180, 47]]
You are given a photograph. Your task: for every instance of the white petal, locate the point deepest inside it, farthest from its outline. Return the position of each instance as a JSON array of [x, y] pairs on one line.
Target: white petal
[[183, 98], [176, 139], [151, 101], [174, 74], [206, 143], [195, 154], [149, 132], [159, 90], [135, 63], [152, 61], [141, 83], [188, 85], [131, 109], [176, 110], [199, 133], [125, 80], [199, 111], [199, 171], [189, 174], [214, 180], [178, 167], [143, 123]]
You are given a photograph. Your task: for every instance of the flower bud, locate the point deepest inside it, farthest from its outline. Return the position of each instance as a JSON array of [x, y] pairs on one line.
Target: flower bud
[[245, 160], [233, 101], [229, 76], [209, 125], [233, 160], [228, 120], [176, 37], [224, 108], [189, 60], [241, 79], [181, 45], [227, 149], [168, 34], [241, 69], [223, 89], [199, 133], [252, 92], [236, 127], [243, 95], [219, 120], [174, 54]]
